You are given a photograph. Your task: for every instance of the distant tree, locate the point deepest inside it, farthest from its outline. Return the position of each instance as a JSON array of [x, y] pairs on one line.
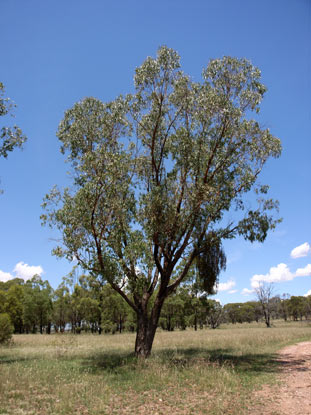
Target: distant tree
[[14, 306], [114, 310], [264, 293], [308, 307], [232, 312], [214, 314], [95, 287], [61, 304], [155, 175], [283, 307], [256, 310], [242, 312], [177, 311], [37, 310], [90, 310], [76, 308], [2, 300], [247, 313], [297, 307], [6, 328]]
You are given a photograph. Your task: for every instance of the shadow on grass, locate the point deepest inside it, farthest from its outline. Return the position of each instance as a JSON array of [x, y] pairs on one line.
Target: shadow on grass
[[110, 362], [184, 359], [8, 360], [251, 362]]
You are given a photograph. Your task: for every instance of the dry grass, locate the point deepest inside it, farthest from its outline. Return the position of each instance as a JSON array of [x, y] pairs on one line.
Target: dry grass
[[203, 372]]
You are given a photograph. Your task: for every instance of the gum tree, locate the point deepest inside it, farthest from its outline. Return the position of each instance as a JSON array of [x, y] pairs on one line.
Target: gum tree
[[160, 178], [264, 294]]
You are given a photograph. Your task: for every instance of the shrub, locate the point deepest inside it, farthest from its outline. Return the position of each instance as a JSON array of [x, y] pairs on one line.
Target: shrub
[[6, 328]]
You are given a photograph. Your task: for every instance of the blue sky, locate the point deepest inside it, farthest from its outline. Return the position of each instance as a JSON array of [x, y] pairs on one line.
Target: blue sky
[[53, 53]]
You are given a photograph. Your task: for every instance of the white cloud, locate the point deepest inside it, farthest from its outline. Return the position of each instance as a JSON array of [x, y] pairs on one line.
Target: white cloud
[[276, 274], [5, 276], [26, 271], [225, 286], [308, 293], [279, 273], [301, 251], [246, 291], [23, 271], [233, 291], [304, 272]]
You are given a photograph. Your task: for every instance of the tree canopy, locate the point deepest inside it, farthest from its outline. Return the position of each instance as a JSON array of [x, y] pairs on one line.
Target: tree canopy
[[160, 178]]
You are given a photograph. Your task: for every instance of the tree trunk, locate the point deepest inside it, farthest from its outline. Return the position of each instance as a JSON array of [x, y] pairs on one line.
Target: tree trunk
[[169, 326], [146, 329], [267, 318]]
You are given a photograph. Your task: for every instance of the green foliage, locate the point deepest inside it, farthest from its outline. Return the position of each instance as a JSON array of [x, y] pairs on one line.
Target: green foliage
[[86, 305], [121, 185], [242, 312], [6, 328], [175, 312], [214, 314], [156, 173], [114, 310], [14, 306], [61, 303], [299, 306], [37, 310], [210, 261], [10, 137]]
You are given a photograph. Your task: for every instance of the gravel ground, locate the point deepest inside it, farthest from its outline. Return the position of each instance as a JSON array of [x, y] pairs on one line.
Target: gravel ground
[[292, 396]]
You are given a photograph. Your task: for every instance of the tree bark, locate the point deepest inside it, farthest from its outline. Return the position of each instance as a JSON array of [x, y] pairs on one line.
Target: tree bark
[[195, 321], [267, 318], [146, 328]]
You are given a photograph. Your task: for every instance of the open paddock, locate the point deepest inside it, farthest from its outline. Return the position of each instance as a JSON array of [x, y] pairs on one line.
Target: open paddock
[[202, 372]]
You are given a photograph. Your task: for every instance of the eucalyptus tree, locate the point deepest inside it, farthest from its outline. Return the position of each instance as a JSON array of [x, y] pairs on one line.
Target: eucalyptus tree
[[61, 306], [37, 304], [6, 328], [264, 294], [214, 314], [160, 178]]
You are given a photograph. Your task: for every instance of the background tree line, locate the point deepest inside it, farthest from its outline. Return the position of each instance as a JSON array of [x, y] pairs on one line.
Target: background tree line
[[90, 305]]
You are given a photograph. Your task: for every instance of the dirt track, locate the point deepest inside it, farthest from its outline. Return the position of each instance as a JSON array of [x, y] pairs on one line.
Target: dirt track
[[293, 395]]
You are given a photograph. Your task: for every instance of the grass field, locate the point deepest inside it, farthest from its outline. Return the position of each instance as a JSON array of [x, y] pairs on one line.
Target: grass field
[[204, 372]]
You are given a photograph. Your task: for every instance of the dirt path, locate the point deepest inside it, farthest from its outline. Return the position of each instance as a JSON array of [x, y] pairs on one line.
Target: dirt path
[[293, 395]]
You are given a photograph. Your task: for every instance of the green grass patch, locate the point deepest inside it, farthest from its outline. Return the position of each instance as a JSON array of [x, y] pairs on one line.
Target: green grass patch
[[204, 372]]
